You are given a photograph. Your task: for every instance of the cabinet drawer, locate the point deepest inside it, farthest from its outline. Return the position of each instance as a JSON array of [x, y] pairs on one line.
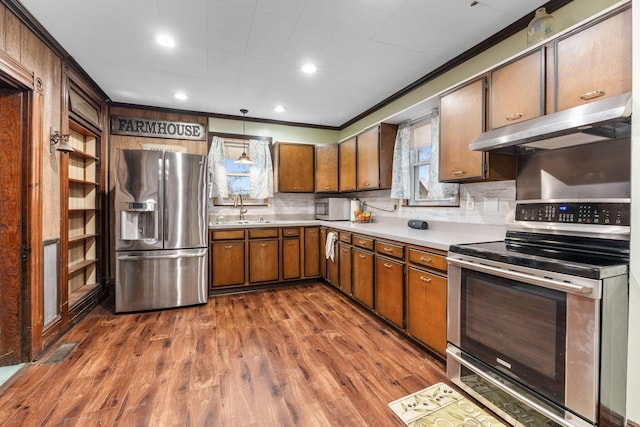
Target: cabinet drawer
[[227, 234], [290, 232], [362, 242], [345, 237], [261, 233], [428, 259], [389, 249]]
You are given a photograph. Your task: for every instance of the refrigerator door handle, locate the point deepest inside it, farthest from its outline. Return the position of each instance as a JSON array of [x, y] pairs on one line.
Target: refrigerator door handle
[[166, 256]]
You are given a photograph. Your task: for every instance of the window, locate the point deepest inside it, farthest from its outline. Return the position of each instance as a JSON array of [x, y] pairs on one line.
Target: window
[[426, 190]]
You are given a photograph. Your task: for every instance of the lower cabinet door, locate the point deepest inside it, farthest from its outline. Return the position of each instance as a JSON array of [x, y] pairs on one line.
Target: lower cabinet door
[[344, 252], [427, 309], [390, 290], [227, 264], [362, 276], [263, 260], [291, 259]]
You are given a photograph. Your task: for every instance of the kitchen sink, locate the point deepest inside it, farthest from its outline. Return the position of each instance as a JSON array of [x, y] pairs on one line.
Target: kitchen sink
[[253, 222]]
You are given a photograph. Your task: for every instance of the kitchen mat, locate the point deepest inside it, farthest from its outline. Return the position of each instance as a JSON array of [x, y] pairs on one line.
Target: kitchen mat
[[439, 404]]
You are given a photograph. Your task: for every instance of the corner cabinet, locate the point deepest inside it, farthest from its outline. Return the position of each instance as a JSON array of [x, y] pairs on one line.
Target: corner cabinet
[[294, 167], [462, 118], [84, 216]]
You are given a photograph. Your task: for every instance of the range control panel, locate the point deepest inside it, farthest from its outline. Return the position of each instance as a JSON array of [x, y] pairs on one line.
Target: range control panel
[[597, 213]]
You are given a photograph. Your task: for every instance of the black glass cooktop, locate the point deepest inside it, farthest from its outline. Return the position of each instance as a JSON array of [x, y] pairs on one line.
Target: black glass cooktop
[[589, 258]]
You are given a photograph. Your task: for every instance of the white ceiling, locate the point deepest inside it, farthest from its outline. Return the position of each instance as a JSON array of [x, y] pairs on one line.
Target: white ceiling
[[233, 54]]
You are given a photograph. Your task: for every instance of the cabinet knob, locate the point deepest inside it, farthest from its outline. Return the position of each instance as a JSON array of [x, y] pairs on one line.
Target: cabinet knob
[[593, 94], [516, 116], [425, 279], [459, 173]]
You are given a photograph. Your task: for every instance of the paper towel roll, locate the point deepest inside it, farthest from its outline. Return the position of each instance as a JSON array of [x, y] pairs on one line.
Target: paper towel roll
[[355, 205]]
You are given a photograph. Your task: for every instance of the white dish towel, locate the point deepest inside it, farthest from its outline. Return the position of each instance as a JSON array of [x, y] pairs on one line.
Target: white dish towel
[[328, 250]]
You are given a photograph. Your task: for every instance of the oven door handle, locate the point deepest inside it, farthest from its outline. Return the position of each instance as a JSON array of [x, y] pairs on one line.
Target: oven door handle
[[513, 393], [510, 274]]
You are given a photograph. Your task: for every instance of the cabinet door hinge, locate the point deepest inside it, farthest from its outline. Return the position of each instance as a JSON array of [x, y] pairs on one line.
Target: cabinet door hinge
[[24, 253]]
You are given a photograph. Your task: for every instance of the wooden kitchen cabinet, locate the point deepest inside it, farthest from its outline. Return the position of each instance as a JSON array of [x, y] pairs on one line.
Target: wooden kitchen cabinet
[[427, 308], [263, 255], [294, 167], [347, 154], [312, 252], [517, 90], [327, 168], [226, 248], [594, 62], [462, 118], [344, 250], [390, 290], [291, 253], [362, 276], [333, 271], [323, 257], [374, 157]]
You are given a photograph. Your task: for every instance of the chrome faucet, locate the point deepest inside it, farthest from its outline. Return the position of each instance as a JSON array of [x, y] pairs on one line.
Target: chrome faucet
[[243, 210]]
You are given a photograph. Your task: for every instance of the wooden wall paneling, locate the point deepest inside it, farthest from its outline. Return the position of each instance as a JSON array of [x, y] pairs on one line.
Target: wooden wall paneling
[[12, 35], [3, 14]]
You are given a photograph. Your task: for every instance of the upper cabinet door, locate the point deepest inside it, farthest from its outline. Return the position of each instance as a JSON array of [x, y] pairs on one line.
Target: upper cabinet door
[[462, 118], [327, 168], [294, 164], [594, 62], [348, 165], [517, 90], [368, 160]]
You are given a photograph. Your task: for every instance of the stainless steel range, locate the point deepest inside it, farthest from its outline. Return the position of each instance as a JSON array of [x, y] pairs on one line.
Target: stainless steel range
[[537, 324]]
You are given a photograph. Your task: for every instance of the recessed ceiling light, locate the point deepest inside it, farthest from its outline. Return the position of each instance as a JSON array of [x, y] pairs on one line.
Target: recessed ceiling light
[[278, 109], [165, 40], [181, 96], [309, 68]]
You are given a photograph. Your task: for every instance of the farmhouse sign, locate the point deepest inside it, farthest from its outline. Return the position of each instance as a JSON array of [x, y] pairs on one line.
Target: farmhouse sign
[[156, 128]]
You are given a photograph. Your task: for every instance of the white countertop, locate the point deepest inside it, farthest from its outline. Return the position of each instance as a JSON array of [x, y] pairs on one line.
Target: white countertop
[[440, 235]]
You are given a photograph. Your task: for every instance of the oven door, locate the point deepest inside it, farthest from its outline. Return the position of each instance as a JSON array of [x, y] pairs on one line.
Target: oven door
[[536, 329]]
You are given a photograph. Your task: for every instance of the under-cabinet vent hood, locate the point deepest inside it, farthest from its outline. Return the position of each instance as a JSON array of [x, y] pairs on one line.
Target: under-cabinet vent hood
[[609, 118]]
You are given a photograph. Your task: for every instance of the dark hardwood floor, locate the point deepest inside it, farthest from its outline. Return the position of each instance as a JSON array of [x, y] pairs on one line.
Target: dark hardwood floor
[[301, 355]]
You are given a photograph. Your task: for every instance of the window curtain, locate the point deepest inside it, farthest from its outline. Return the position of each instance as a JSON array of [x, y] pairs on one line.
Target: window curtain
[[217, 169], [401, 168], [438, 191], [261, 171]]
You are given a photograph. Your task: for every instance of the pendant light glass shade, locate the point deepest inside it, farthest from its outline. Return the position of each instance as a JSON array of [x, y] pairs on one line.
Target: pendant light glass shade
[[244, 159]]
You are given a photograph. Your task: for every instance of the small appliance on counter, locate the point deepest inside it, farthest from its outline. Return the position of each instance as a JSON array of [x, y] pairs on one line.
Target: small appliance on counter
[[333, 209]]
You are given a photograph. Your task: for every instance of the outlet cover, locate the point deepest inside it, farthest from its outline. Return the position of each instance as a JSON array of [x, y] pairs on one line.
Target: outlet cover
[[471, 202]]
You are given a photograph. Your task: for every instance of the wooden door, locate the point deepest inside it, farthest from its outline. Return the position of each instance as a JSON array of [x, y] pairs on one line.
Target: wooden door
[[291, 258], [295, 164], [263, 260], [344, 251], [517, 90], [227, 263], [362, 276], [390, 290], [462, 117], [368, 160], [327, 168], [348, 165], [12, 320], [595, 62], [427, 309], [312, 252]]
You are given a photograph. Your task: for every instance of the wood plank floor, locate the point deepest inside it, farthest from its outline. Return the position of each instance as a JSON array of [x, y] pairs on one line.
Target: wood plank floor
[[301, 355]]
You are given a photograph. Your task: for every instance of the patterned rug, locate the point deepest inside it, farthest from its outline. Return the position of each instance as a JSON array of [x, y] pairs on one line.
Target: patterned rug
[[440, 405]]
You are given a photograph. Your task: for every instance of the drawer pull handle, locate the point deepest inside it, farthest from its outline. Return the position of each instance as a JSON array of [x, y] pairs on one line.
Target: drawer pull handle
[[591, 95], [361, 256], [264, 245], [516, 116], [362, 242], [427, 260], [387, 249], [387, 265], [228, 246], [425, 279], [459, 173], [290, 243], [345, 250]]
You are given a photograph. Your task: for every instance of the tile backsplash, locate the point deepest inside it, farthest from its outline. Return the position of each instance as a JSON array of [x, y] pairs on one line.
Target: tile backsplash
[[480, 203]]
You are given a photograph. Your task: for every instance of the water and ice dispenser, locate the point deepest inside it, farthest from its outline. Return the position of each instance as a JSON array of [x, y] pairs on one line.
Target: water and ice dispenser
[[139, 221]]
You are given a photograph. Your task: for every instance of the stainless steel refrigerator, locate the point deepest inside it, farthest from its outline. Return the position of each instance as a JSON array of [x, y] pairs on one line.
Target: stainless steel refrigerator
[[161, 230]]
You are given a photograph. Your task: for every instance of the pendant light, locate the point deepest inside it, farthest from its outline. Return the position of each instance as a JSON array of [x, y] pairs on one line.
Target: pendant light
[[244, 159]]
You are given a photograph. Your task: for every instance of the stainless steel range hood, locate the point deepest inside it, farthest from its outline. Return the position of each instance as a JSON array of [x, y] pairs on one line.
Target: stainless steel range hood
[[608, 118]]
